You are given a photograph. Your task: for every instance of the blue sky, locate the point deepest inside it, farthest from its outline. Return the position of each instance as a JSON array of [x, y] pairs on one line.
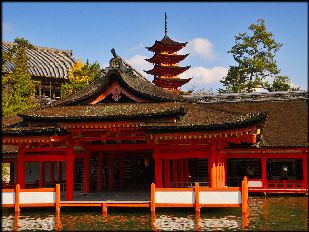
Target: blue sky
[[91, 30]]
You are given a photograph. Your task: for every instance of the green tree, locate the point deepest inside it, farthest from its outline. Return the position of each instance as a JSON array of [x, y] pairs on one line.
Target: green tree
[[256, 64], [280, 83], [18, 89], [80, 76]]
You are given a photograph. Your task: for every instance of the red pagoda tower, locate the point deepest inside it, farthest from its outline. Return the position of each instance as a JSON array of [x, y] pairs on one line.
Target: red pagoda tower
[[165, 59]]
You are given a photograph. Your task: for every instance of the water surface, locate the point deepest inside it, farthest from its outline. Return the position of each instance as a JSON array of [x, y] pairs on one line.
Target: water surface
[[266, 213]]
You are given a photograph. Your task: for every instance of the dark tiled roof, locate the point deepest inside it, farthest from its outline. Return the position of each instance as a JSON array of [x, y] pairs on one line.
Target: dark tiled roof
[[204, 117], [286, 124], [11, 121], [33, 131], [9, 149], [115, 111], [130, 79], [45, 62], [191, 116]]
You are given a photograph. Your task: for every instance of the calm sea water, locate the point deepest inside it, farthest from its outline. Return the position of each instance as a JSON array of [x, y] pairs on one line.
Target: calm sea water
[[266, 213]]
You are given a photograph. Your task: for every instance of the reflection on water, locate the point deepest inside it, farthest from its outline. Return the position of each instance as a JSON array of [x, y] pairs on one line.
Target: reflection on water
[[266, 213]]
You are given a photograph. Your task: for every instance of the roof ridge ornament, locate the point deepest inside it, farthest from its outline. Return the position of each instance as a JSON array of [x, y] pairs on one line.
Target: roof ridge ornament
[[113, 51]]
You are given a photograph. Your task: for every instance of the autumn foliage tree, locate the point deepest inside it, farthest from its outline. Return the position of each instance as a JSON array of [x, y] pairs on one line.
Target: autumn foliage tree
[[256, 65], [18, 88], [80, 76]]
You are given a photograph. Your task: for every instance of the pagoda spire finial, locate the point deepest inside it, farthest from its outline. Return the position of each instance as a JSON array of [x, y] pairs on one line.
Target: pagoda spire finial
[[165, 25]]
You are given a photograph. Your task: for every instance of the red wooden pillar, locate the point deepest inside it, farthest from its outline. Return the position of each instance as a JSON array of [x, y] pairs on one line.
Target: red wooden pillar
[[181, 172], [12, 174], [167, 173], [86, 183], [59, 171], [51, 172], [264, 175], [174, 173], [121, 167], [158, 172], [69, 165], [186, 170], [100, 181], [42, 174], [305, 171], [111, 172], [21, 167], [212, 163]]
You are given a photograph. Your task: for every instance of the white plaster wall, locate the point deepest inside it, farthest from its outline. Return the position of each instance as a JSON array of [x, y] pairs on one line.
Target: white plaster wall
[[254, 183], [37, 197], [8, 198], [220, 197], [175, 197]]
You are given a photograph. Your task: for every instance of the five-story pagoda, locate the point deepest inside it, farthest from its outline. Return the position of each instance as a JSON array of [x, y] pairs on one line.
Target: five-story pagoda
[[165, 60]]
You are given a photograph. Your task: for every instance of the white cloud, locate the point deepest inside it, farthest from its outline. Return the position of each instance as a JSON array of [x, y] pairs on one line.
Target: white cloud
[[139, 46], [202, 75], [139, 63], [201, 47]]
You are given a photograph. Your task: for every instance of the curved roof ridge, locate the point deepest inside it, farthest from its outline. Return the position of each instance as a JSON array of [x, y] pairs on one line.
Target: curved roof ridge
[[70, 52]]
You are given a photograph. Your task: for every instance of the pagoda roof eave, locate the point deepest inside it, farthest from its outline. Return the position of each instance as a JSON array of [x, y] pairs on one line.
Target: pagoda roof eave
[[167, 70], [166, 58]]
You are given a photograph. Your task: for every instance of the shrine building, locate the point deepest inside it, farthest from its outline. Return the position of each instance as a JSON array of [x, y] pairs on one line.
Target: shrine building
[[123, 132]]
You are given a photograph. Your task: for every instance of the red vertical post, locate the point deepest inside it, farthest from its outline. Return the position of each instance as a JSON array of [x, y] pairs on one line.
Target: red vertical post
[[42, 174], [69, 164], [305, 171], [12, 174], [100, 183], [174, 173], [213, 169], [167, 173], [158, 172], [21, 167], [264, 175], [121, 167], [86, 183], [59, 171], [111, 172], [181, 172], [52, 172]]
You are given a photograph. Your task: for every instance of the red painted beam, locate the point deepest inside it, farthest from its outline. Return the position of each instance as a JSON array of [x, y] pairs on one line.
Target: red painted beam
[[119, 147], [41, 158]]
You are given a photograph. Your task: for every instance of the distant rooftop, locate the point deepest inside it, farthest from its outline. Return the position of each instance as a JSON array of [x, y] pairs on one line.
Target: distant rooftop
[[253, 97], [45, 62]]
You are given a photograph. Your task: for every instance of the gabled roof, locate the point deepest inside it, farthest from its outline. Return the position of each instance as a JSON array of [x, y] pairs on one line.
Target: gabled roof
[[128, 78], [44, 62]]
